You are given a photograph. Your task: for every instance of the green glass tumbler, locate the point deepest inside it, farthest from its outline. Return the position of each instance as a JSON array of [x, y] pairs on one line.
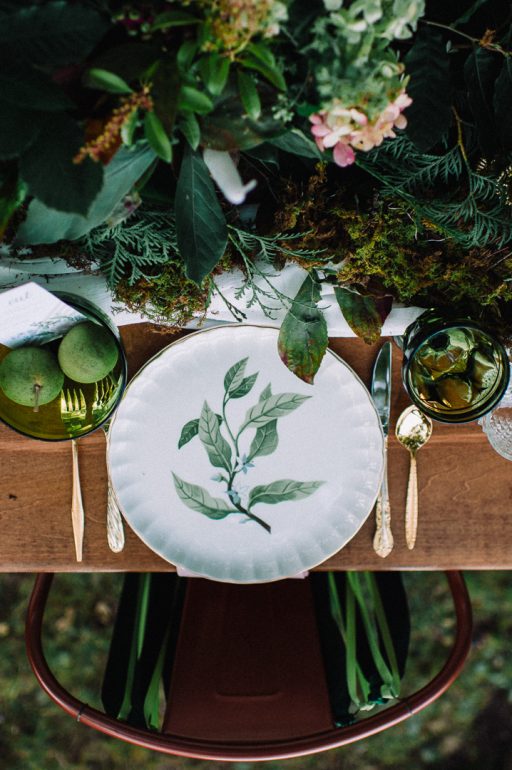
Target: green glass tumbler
[[453, 369]]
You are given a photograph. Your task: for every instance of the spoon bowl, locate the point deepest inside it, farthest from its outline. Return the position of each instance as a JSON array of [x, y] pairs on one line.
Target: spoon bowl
[[413, 430]]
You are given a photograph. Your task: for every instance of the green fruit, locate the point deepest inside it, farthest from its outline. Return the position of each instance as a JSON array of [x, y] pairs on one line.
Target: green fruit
[[30, 376], [87, 353]]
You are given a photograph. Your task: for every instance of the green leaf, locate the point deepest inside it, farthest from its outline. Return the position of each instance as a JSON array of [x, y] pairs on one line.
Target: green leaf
[[270, 71], [503, 103], [52, 34], [303, 340], [234, 375], [165, 92], [266, 393], [201, 228], [128, 128], [156, 137], [280, 491], [185, 55], [218, 449], [169, 19], [46, 225], [106, 81], [229, 127], [214, 72], [199, 499], [262, 52], [249, 94], [428, 65], [18, 129], [265, 440], [196, 101], [48, 169], [189, 127], [12, 194], [272, 408], [360, 313], [129, 61], [245, 386], [191, 429], [297, 143], [480, 73], [31, 89]]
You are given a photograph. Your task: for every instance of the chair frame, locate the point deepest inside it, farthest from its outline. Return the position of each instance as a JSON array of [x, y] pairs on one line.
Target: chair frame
[[248, 750]]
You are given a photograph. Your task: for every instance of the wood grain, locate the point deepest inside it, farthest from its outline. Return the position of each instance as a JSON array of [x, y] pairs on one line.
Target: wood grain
[[465, 488]]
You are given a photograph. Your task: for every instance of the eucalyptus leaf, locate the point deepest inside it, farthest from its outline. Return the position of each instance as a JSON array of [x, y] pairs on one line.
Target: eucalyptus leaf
[[218, 449], [48, 169], [199, 499], [52, 34], [303, 339], [282, 490], [265, 440], [272, 408], [156, 137], [201, 227], [46, 225], [106, 81], [428, 65], [360, 313]]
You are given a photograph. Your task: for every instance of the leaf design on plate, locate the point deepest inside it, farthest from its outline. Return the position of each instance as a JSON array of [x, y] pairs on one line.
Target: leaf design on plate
[[265, 393], [272, 408], [200, 500], [244, 387], [191, 429], [235, 375], [265, 441], [219, 451], [284, 489]]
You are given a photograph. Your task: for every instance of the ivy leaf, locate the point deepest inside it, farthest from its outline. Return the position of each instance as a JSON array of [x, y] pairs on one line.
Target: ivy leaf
[[282, 490], [46, 225], [156, 137], [52, 34], [265, 441], [106, 81], [303, 340], [199, 499], [201, 228], [48, 169], [249, 94], [272, 408], [361, 314], [218, 449], [245, 386], [480, 72], [428, 65], [503, 103], [191, 429]]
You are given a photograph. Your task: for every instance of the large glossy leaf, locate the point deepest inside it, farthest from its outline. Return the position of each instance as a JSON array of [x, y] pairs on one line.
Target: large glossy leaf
[[199, 499], [128, 60], [303, 340], [218, 449], [429, 116], [265, 441], [46, 225], [165, 92], [481, 70], [503, 103], [48, 169], [228, 127], [52, 34], [282, 490], [272, 408], [18, 129], [297, 143], [360, 313], [156, 137], [30, 89], [201, 227]]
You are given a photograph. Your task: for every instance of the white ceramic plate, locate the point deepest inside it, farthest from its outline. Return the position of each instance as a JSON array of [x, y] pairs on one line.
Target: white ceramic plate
[[227, 464]]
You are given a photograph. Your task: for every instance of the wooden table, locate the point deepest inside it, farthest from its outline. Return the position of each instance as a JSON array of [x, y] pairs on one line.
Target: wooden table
[[465, 493]]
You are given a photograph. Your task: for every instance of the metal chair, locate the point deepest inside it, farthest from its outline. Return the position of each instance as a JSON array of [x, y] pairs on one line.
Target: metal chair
[[267, 697]]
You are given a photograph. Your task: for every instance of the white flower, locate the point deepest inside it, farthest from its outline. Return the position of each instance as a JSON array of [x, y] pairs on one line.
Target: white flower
[[226, 176]]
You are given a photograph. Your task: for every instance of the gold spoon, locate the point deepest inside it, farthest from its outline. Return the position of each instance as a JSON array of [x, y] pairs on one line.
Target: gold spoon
[[413, 430]]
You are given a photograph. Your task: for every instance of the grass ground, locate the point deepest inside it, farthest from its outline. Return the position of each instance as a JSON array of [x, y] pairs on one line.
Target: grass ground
[[469, 728]]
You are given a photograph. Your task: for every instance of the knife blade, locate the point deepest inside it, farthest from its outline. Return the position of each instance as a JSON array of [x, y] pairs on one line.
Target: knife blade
[[381, 395]]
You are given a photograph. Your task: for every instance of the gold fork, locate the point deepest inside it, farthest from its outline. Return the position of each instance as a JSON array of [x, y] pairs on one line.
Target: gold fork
[[73, 410]]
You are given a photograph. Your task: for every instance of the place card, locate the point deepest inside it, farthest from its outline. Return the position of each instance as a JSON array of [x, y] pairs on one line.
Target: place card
[[30, 314]]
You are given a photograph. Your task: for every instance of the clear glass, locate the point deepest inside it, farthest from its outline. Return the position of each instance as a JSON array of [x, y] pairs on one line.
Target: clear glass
[[497, 425], [453, 369], [81, 407]]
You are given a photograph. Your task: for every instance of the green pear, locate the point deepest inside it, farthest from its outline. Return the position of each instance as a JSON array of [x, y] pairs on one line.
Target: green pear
[[30, 376], [87, 353]]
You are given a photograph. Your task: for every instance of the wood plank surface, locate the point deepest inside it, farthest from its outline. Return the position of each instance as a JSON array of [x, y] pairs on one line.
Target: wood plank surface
[[465, 518]]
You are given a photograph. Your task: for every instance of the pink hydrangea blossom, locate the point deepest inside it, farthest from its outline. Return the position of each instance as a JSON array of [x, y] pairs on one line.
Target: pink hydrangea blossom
[[345, 129]]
